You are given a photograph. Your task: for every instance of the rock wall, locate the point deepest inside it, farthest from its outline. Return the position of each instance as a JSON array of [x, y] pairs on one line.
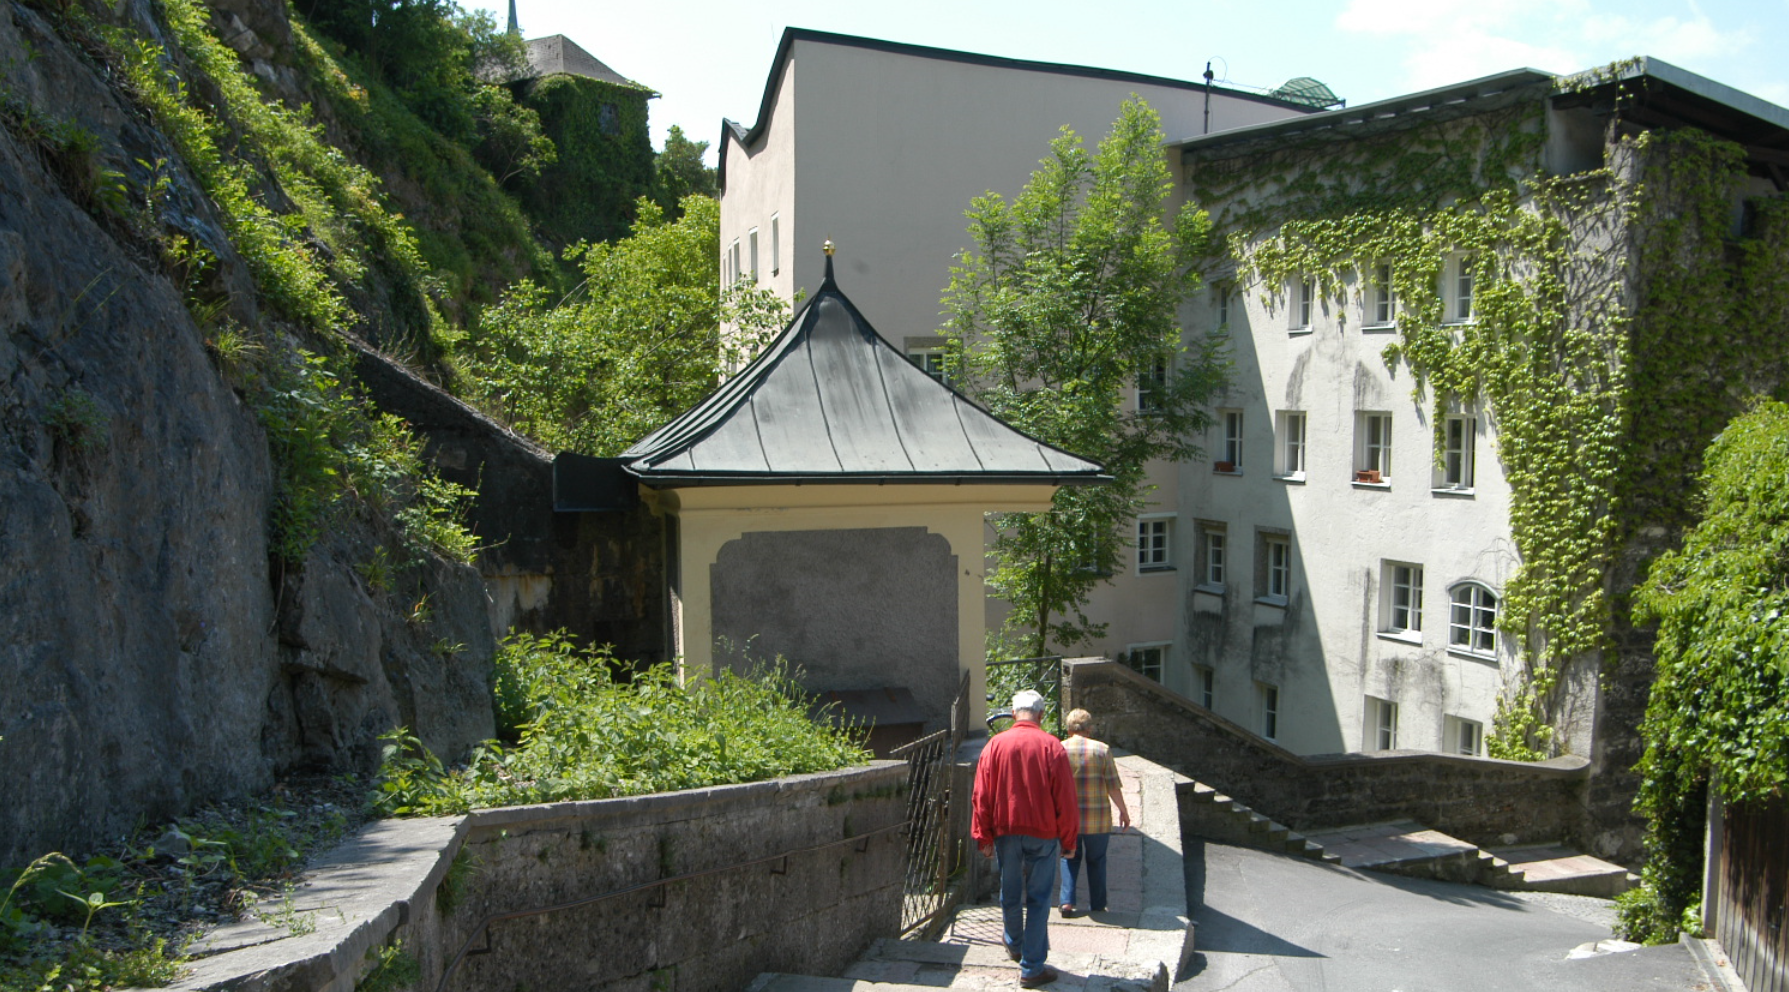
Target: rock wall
[[151, 655]]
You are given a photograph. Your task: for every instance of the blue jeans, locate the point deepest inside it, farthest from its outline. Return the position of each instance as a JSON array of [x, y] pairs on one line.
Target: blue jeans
[[1027, 874], [1092, 849]]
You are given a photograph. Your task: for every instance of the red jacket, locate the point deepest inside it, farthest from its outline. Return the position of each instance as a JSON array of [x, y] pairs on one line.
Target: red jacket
[[1024, 785]]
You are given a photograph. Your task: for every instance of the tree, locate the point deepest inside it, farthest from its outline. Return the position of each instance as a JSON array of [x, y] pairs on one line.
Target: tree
[[681, 171], [1718, 714], [1067, 302], [635, 345]]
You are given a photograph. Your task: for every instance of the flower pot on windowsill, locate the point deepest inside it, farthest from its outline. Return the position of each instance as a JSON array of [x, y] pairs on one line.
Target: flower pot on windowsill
[[1368, 475], [1223, 466]]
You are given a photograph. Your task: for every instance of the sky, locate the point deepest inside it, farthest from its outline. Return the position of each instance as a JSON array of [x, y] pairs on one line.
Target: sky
[[709, 60]]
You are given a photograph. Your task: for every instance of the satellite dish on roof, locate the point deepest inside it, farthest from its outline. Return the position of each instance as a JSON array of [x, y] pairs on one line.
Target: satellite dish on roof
[[1308, 91]]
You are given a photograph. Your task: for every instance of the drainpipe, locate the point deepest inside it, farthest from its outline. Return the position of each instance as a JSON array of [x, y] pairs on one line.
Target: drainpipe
[[1208, 77]]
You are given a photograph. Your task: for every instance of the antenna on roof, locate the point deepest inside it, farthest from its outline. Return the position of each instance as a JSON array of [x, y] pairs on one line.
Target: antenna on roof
[[1208, 76]]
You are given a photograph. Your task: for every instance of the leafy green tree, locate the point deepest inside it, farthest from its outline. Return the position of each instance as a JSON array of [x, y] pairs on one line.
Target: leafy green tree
[[1718, 716], [637, 344], [680, 171], [1065, 304]]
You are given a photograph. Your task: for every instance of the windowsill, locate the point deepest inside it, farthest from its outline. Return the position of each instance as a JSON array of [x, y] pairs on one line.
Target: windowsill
[[1371, 485], [1451, 493], [1402, 636], [1153, 569], [1234, 471], [1209, 589], [1298, 332], [1460, 322], [1461, 652], [1277, 602], [1378, 328], [1294, 479]]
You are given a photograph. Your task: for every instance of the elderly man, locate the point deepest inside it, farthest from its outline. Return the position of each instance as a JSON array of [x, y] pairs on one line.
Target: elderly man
[[1026, 815]]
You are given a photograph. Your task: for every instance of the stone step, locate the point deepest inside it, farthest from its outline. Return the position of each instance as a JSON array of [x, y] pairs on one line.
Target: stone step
[[1556, 868], [1226, 820], [904, 965]]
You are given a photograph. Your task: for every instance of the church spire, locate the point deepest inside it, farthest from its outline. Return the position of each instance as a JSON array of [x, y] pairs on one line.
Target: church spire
[[514, 27]]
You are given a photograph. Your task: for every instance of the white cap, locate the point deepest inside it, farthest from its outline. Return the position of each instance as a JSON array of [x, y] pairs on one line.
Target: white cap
[[1030, 700]]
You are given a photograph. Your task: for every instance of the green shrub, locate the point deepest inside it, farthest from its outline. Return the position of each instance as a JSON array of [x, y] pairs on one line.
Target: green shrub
[[582, 734]]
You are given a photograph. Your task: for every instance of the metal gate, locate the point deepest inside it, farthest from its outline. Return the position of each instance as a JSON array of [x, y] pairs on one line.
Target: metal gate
[[1754, 894], [932, 814]]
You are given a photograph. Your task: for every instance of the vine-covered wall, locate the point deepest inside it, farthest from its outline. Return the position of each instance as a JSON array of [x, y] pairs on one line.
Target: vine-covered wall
[[1618, 322], [605, 158]]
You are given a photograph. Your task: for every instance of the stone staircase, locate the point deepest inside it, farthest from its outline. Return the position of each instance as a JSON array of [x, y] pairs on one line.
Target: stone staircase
[[911, 966], [1405, 848]]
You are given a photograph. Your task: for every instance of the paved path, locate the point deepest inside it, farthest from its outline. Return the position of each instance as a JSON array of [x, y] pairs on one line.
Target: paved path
[[1277, 923]]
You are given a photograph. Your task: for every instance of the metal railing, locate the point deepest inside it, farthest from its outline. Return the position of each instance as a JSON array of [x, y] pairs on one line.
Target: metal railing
[[932, 842]]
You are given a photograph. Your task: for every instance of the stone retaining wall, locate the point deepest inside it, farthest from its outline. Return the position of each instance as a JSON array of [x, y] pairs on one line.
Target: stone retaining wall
[[1481, 800], [798, 875]]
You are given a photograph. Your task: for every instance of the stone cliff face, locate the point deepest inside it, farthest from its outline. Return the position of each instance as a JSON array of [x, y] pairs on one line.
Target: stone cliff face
[[153, 653]]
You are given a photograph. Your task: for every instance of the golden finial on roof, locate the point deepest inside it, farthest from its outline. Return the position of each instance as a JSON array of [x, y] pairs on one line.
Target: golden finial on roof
[[828, 247]]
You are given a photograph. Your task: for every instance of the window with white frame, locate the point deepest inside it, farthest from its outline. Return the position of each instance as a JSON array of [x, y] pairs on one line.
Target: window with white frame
[[1155, 543], [776, 244], [733, 262], [1381, 305], [1472, 619], [1458, 290], [1289, 461], [1463, 736], [1204, 685], [1267, 710], [1301, 303], [1402, 598], [1231, 422], [1458, 435], [1373, 447], [1273, 583], [1223, 298], [751, 253], [1152, 386], [1381, 731], [1213, 554], [1148, 660], [930, 361]]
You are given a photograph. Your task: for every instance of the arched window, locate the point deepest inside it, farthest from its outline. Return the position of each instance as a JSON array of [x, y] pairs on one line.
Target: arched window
[[1472, 623]]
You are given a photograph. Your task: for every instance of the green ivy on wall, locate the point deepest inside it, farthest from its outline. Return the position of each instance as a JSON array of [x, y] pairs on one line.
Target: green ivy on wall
[[1598, 424], [606, 161]]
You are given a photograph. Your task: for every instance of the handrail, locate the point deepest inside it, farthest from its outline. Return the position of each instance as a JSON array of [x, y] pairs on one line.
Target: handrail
[[484, 925]]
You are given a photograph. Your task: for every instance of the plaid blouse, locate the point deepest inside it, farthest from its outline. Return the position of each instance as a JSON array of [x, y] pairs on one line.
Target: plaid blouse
[[1095, 775]]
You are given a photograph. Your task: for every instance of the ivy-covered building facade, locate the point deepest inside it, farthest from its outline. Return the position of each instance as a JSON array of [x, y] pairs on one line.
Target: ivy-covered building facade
[[1482, 336]]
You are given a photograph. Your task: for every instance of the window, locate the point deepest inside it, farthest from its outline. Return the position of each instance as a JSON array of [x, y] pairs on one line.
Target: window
[[1462, 736], [1204, 684], [1457, 437], [1373, 459], [1267, 709], [776, 245], [1152, 386], [751, 253], [1381, 731], [733, 261], [1232, 447], [1403, 598], [1381, 305], [1274, 576], [1302, 297], [1457, 292], [931, 362], [1472, 621], [1290, 461], [1222, 299], [1212, 557], [1155, 543], [1147, 659]]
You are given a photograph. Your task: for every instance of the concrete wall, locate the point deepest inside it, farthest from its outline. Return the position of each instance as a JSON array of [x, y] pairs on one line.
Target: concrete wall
[[855, 609], [798, 874], [1481, 800], [599, 575]]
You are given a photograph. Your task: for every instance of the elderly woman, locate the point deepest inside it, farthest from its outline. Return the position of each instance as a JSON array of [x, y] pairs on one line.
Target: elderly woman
[[1097, 789]]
